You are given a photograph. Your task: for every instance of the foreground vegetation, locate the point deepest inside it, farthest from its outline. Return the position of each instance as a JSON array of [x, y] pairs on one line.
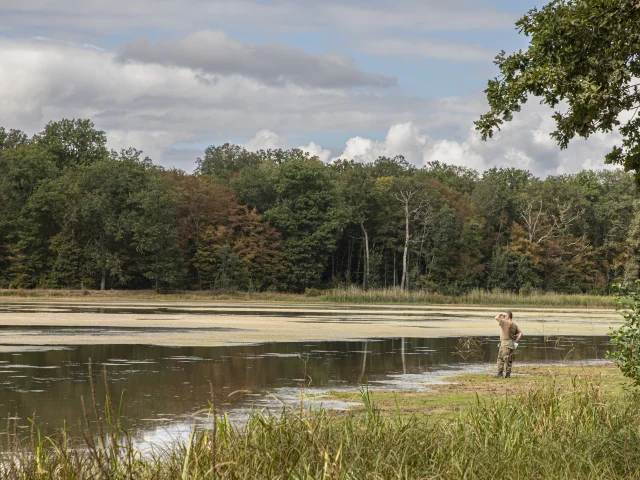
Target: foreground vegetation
[[353, 295], [461, 392], [567, 423]]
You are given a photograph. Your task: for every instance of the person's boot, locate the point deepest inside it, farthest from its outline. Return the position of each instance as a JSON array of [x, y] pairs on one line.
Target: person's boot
[[508, 375], [499, 375]]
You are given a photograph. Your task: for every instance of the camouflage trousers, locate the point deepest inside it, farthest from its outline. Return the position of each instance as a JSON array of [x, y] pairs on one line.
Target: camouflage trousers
[[505, 355]]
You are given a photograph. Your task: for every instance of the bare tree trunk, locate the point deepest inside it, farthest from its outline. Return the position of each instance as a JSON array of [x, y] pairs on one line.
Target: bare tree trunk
[[103, 281], [404, 283], [364, 361], [365, 277]]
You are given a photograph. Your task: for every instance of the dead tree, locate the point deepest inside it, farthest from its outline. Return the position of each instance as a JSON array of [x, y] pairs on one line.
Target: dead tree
[[540, 224], [410, 211]]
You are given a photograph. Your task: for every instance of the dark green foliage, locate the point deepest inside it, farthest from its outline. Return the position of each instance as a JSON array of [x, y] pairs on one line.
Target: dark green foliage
[[112, 219], [221, 268], [460, 179], [626, 339], [74, 216], [11, 139], [226, 160], [310, 216], [72, 143], [582, 54]]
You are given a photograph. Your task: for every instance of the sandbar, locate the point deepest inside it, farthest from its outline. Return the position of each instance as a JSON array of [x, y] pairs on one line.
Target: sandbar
[[28, 324]]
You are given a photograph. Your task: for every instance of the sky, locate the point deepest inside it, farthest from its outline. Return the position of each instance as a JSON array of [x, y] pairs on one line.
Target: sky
[[340, 79]]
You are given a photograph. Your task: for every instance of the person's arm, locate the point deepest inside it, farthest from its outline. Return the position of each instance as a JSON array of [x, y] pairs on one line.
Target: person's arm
[[518, 334]]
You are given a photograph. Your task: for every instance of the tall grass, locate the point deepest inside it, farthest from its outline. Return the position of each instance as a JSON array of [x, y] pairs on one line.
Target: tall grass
[[474, 297], [545, 433], [349, 295]]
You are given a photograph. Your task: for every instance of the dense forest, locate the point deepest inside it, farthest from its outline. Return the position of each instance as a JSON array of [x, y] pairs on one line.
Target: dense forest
[[74, 214]]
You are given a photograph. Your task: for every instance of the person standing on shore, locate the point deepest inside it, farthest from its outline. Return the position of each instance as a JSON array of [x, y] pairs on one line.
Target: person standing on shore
[[510, 335]]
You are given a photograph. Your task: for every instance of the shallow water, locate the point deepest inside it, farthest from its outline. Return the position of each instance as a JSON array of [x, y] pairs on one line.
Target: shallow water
[[324, 312], [163, 386]]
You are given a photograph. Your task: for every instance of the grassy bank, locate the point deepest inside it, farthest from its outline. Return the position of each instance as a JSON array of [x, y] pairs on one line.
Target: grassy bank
[[570, 424], [460, 392], [351, 295]]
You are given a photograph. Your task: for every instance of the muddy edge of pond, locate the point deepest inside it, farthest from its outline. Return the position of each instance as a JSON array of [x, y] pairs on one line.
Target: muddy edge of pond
[[55, 323]]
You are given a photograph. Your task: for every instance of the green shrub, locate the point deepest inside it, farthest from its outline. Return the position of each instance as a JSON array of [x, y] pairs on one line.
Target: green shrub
[[626, 339]]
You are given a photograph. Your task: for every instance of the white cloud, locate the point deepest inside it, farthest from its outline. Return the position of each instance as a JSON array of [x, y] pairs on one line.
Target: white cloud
[[266, 139], [166, 110], [525, 143], [156, 107], [317, 151], [407, 140]]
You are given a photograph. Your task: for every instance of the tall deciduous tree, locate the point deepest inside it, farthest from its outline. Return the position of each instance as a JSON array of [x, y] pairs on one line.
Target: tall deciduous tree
[[415, 205], [203, 202], [226, 245], [73, 143], [112, 218], [309, 214], [226, 160], [356, 185], [582, 54], [154, 230]]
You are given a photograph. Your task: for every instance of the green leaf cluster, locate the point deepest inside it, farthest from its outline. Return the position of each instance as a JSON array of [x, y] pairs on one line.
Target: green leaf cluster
[[582, 61], [626, 339]]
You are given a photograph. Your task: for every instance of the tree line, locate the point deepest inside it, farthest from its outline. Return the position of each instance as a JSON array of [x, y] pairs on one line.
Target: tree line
[[74, 214]]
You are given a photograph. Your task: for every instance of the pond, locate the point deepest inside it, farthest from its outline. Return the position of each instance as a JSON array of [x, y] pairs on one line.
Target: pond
[[162, 387]]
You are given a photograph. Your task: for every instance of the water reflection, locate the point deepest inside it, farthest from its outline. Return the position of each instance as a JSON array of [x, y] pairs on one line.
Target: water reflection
[[163, 384]]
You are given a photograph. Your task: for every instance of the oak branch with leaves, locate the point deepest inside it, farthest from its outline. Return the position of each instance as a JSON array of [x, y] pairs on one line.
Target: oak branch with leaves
[[583, 61]]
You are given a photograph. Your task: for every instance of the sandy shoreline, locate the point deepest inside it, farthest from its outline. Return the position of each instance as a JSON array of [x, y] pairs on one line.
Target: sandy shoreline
[[28, 323]]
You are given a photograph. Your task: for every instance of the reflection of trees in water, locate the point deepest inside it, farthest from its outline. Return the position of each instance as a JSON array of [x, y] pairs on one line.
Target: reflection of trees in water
[[364, 362], [470, 348], [404, 362], [171, 386]]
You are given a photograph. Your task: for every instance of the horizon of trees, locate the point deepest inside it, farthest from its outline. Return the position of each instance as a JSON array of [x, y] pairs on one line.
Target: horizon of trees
[[74, 214]]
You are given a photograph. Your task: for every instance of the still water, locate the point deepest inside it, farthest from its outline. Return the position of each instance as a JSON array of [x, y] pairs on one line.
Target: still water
[[162, 386]]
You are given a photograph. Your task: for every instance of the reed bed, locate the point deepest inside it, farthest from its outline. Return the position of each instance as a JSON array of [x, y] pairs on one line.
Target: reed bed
[[473, 297], [547, 432], [347, 295]]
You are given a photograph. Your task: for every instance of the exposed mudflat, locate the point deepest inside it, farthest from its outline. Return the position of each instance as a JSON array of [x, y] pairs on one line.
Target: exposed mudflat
[[56, 323]]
